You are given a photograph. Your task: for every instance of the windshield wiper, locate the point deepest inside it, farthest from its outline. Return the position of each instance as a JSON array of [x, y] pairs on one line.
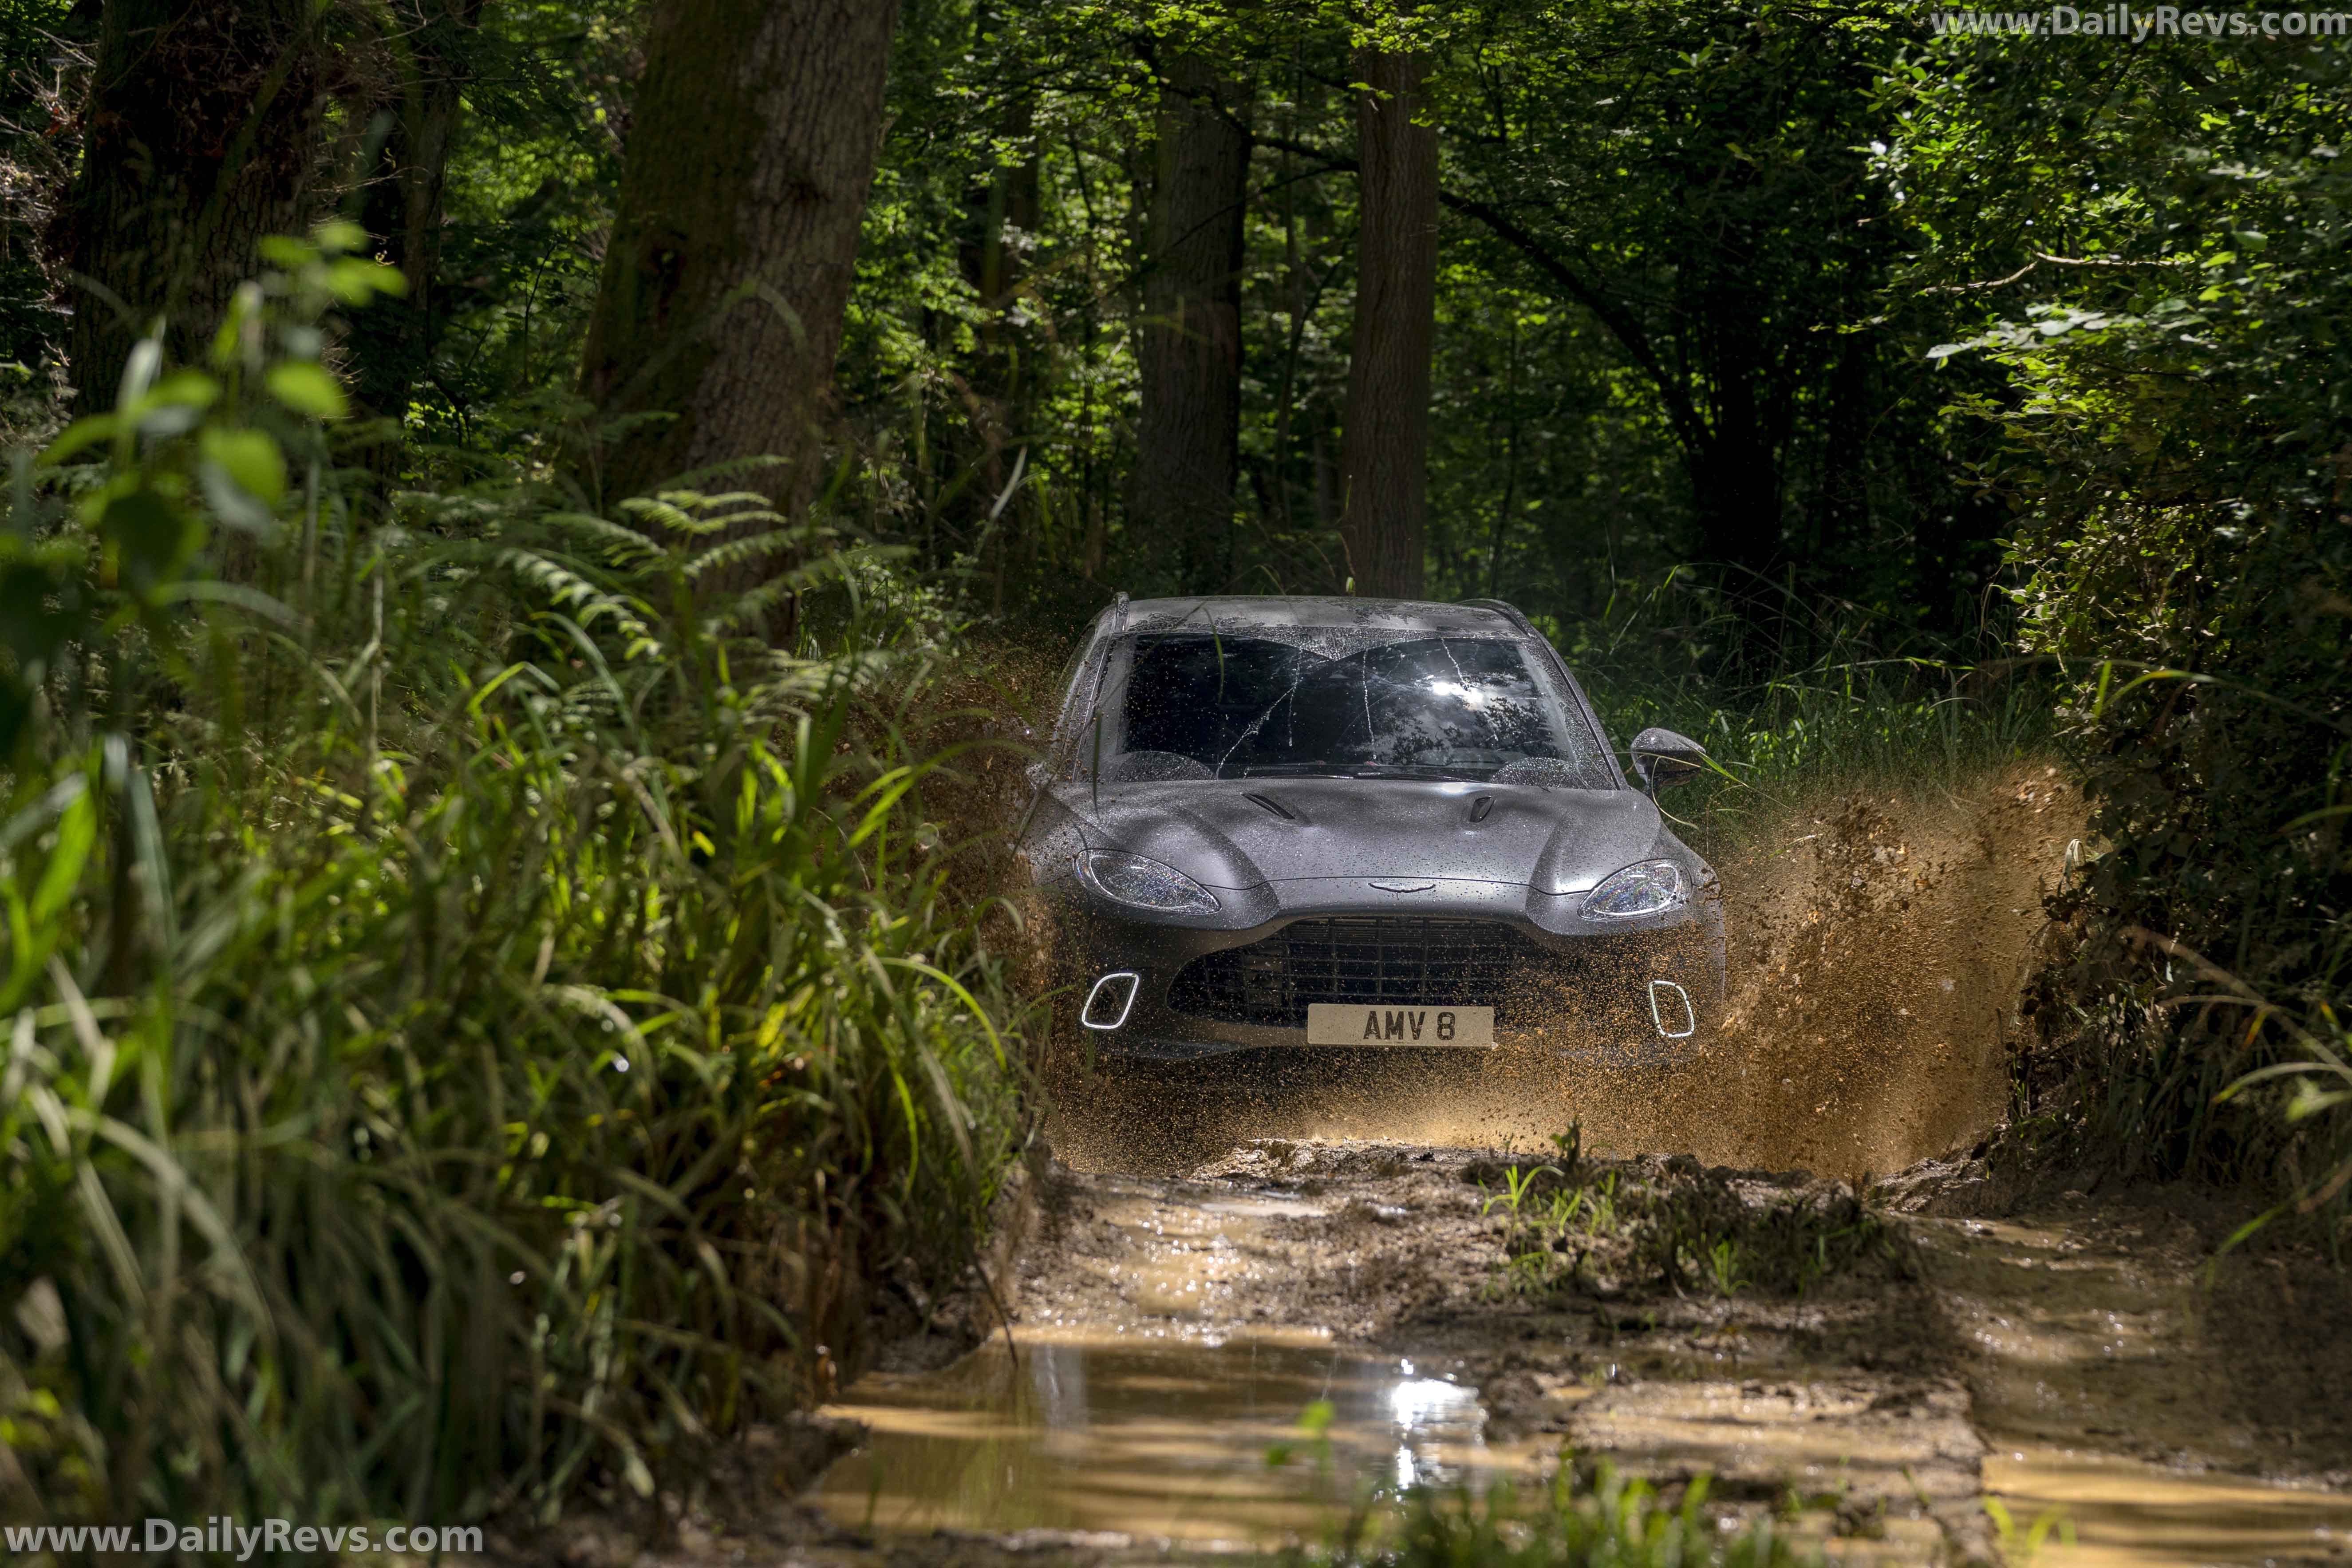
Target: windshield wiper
[[1410, 771], [1355, 770], [1294, 771]]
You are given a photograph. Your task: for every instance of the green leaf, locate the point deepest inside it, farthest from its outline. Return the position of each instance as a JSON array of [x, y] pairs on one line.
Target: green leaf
[[306, 388], [355, 282], [339, 234], [251, 458], [77, 831], [278, 250], [81, 433], [183, 389]]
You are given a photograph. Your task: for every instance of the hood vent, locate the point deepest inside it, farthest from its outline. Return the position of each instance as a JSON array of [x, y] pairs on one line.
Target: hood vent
[[1274, 805], [1481, 806]]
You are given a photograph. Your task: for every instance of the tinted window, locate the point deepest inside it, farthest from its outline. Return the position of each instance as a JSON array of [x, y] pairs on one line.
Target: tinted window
[[1236, 705]]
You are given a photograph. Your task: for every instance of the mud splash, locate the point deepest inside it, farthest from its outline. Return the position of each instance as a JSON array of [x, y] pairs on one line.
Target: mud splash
[[1876, 949]]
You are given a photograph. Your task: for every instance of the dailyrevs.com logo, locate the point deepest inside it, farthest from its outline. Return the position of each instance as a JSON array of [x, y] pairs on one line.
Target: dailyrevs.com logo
[[224, 1537], [2134, 24]]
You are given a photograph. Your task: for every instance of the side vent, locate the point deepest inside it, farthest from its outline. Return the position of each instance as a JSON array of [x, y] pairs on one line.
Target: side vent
[[1481, 806]]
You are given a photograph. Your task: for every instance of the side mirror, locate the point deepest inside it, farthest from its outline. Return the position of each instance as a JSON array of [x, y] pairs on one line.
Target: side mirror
[[1663, 759]]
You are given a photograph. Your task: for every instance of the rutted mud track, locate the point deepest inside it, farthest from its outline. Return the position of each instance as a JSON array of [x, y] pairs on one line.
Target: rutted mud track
[[1172, 1330], [1215, 1250], [1403, 1251]]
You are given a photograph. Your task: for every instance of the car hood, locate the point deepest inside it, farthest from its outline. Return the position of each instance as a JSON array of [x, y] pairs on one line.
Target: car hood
[[1240, 833]]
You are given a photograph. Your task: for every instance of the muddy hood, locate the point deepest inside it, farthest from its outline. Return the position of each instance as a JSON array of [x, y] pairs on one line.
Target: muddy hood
[[1242, 833]]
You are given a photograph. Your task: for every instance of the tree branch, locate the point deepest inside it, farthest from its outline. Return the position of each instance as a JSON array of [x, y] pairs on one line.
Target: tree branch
[[1627, 329]]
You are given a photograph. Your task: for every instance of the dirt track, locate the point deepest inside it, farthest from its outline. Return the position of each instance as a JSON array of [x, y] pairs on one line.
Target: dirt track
[[1211, 1254]]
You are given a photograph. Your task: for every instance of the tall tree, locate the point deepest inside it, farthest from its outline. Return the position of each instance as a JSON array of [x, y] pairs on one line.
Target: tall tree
[[392, 337], [1188, 427], [203, 119], [1385, 454], [719, 308]]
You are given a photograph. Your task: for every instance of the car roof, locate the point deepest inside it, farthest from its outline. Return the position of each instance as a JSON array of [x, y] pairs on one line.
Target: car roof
[[1232, 612]]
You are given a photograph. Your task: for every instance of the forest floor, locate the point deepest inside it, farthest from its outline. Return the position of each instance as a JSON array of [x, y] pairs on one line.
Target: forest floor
[[1403, 1252]]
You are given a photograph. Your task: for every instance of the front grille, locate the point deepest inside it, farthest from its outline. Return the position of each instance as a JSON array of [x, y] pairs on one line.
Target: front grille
[[1366, 959]]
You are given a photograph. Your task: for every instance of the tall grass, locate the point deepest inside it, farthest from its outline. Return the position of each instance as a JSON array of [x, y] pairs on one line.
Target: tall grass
[[1841, 702], [480, 1024]]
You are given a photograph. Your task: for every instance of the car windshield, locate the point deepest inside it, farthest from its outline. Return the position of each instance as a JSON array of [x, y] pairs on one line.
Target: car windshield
[[1200, 705]]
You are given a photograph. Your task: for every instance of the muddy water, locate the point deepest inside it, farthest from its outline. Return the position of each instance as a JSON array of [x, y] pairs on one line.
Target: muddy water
[[2102, 1511], [1156, 1369], [2108, 1405], [1171, 1333], [1172, 1437]]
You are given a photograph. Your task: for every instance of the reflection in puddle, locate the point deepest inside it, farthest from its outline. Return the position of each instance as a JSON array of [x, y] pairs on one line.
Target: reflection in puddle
[[2127, 1514], [2085, 1336], [1149, 1437]]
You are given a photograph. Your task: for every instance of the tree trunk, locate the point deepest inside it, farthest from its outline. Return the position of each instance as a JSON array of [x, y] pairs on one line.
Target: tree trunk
[[720, 310], [1736, 493], [1386, 452], [1002, 216], [203, 127], [1188, 429], [392, 339]]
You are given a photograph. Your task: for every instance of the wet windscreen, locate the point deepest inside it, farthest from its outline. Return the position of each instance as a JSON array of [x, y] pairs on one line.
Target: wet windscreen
[[1187, 705]]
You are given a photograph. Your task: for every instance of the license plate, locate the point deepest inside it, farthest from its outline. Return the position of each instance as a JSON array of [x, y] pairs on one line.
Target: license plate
[[1347, 1024]]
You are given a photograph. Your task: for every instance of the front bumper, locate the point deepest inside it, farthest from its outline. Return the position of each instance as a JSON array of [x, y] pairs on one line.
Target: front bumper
[[1557, 984]]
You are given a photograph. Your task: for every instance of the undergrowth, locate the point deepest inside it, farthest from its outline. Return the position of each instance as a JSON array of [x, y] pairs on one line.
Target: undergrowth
[[1613, 1519], [1603, 1227], [1839, 708], [480, 1023]]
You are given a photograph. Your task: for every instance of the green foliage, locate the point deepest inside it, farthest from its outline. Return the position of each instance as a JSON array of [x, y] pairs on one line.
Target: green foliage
[[1613, 1521], [2152, 240], [1853, 719], [481, 1026], [1683, 192], [1678, 1228], [2021, 1545]]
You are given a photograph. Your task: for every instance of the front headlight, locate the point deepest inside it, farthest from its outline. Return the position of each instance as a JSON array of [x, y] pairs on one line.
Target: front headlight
[[1146, 884], [1644, 888]]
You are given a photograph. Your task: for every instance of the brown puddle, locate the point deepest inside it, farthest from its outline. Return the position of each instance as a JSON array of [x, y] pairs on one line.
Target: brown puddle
[[2123, 1513], [2105, 1403], [1151, 1435]]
